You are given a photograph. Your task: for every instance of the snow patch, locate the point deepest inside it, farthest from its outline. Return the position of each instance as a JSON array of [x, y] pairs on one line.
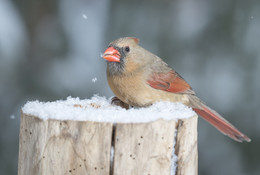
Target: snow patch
[[99, 109]]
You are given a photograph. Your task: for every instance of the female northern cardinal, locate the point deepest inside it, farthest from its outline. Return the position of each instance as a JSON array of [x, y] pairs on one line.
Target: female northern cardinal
[[139, 78]]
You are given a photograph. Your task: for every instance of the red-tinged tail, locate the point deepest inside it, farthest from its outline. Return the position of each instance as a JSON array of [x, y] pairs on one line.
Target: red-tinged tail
[[221, 124]]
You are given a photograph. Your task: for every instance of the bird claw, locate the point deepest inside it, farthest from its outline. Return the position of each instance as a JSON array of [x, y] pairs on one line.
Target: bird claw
[[116, 101]]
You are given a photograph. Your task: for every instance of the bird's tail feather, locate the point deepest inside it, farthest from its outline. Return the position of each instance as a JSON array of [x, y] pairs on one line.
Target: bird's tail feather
[[221, 124], [217, 120]]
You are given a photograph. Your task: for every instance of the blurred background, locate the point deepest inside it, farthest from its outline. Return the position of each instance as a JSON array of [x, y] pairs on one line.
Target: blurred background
[[50, 49]]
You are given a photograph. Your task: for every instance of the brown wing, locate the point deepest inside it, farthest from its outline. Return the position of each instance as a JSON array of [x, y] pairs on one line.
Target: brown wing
[[170, 81]]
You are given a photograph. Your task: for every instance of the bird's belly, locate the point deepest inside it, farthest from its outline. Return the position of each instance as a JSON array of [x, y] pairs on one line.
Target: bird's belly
[[151, 95]]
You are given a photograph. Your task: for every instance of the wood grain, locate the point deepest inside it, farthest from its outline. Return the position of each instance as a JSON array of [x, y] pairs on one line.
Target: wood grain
[[54, 147], [144, 149], [186, 147]]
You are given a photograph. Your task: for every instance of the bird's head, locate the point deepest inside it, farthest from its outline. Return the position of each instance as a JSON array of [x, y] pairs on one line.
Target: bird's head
[[124, 55]]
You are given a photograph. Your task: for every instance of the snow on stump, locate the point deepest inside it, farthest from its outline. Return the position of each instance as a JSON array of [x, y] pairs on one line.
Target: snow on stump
[[93, 137]]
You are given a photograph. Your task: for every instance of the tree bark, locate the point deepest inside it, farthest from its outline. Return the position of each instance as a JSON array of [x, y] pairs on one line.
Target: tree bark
[[52, 147]]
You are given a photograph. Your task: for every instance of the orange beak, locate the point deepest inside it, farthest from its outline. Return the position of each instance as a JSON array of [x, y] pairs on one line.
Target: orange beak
[[111, 54]]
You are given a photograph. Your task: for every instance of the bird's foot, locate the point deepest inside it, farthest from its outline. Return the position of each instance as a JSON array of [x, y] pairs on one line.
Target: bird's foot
[[116, 101]]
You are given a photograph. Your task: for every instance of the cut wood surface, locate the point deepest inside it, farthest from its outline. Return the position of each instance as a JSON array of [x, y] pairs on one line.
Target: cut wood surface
[[52, 147]]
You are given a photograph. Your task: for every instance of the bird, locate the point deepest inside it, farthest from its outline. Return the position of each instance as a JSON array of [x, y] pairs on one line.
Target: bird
[[140, 78]]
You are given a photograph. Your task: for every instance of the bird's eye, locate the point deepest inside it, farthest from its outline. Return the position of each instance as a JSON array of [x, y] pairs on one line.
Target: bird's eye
[[127, 49]]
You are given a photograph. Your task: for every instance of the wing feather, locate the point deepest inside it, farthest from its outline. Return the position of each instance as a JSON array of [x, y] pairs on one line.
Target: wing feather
[[170, 81]]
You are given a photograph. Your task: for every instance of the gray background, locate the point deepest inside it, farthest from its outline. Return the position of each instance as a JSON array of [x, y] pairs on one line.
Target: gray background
[[49, 51]]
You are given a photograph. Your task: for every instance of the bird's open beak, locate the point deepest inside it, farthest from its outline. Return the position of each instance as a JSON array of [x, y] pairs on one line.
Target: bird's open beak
[[111, 54]]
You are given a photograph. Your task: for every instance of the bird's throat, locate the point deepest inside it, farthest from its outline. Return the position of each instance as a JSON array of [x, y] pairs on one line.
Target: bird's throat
[[115, 68]]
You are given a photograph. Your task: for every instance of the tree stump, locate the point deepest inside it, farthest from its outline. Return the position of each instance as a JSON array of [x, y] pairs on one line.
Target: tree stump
[[67, 147]]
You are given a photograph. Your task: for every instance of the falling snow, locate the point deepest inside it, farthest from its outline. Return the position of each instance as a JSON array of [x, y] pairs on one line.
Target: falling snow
[[94, 80], [84, 16]]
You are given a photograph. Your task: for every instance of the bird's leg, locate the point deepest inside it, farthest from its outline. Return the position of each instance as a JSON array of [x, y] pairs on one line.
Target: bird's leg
[[116, 101]]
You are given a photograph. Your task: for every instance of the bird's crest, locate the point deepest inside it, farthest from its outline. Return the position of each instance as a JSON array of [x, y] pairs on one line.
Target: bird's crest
[[136, 40]]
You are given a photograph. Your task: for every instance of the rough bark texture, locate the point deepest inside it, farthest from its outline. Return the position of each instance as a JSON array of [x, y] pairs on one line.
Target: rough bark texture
[[54, 147]]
